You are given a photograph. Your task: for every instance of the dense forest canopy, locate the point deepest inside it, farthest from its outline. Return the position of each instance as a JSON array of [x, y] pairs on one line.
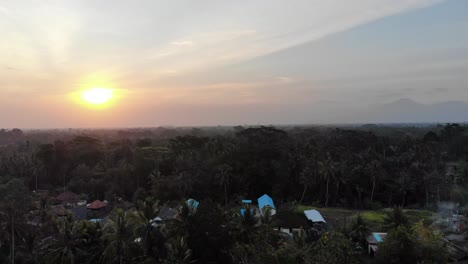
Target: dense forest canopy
[[360, 167]]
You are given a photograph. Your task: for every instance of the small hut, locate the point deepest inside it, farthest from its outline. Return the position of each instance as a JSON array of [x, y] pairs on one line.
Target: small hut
[[290, 222], [266, 203], [373, 240]]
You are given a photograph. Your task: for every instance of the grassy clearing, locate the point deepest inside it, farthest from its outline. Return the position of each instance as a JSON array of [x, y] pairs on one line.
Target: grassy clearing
[[340, 217], [302, 208]]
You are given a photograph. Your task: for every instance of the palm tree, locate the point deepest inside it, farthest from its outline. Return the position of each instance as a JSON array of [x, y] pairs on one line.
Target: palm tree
[[374, 168], [327, 170], [43, 208], [10, 228], [179, 253], [90, 235], [27, 249], [341, 178], [305, 179], [144, 222], [359, 230], [300, 251], [224, 174], [65, 247], [119, 237], [395, 218], [405, 184]]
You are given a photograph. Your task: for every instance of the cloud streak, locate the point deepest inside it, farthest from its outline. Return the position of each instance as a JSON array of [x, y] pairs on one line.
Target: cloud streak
[[182, 43], [231, 33]]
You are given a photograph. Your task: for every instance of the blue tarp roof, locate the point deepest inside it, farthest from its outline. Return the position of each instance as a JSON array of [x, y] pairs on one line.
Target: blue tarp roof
[[375, 238], [378, 237], [192, 203], [242, 211], [265, 200], [247, 201]]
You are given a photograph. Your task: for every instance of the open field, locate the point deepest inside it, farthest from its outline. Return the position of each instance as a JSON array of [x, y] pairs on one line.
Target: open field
[[339, 218]]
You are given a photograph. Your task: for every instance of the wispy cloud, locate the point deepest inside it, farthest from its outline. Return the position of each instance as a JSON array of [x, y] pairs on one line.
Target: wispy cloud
[[4, 10], [182, 43], [87, 33]]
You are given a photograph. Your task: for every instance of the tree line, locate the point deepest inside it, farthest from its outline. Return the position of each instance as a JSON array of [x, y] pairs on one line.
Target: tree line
[[328, 167]]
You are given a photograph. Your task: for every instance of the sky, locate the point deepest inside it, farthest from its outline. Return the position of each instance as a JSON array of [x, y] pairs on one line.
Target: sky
[[211, 62]]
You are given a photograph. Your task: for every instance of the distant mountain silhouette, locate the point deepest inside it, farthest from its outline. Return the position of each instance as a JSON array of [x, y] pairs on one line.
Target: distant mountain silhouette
[[407, 110]]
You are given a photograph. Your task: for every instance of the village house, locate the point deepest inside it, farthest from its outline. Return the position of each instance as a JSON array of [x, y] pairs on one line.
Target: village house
[[290, 222], [97, 209], [373, 240], [97, 205]]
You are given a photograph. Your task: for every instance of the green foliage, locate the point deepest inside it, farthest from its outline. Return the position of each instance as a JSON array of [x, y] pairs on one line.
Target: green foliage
[[359, 230], [416, 245], [179, 252], [118, 237], [430, 246], [333, 248], [398, 247], [375, 216], [208, 236], [395, 219]]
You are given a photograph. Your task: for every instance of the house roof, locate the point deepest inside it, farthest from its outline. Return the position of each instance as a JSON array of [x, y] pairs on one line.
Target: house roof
[[97, 205], [376, 238], [167, 213], [264, 201], [314, 216], [247, 201], [289, 219], [67, 196]]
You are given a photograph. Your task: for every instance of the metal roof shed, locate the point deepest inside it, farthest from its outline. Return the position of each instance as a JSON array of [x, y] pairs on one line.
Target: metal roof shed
[[314, 216]]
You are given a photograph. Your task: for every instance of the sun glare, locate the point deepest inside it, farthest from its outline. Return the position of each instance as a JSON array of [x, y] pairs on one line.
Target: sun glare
[[97, 96]]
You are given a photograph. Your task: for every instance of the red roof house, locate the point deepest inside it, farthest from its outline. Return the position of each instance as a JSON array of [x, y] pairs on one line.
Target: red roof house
[[96, 205], [67, 197]]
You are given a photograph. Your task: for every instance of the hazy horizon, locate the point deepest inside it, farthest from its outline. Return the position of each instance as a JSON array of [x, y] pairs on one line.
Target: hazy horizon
[[210, 63]]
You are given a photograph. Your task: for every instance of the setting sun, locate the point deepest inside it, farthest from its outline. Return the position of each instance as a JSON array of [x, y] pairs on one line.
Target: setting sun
[[98, 96]]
